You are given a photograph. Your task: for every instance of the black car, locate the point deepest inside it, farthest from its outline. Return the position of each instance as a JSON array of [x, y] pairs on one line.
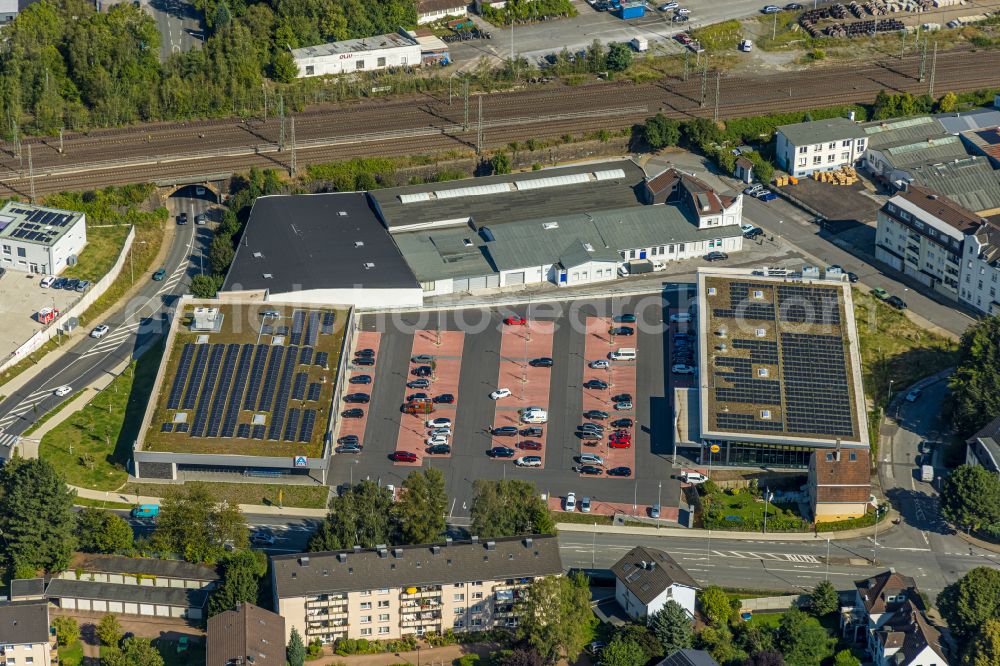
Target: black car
[[439, 449], [365, 352], [364, 360], [360, 398], [595, 427], [896, 302], [502, 452], [625, 319], [622, 397], [422, 371], [60, 283], [620, 471], [71, 284], [505, 431], [418, 383], [353, 413], [622, 330], [595, 384], [360, 379], [793, 7], [182, 218], [348, 439], [753, 233], [621, 423], [589, 470], [421, 358], [444, 399], [595, 414], [416, 396], [543, 362], [852, 277], [531, 432], [716, 256]]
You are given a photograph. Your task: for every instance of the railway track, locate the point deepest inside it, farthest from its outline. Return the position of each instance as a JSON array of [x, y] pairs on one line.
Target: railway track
[[426, 123]]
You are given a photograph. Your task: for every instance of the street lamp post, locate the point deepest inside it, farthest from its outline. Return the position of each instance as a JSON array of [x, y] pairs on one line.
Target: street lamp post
[[878, 511], [766, 500]]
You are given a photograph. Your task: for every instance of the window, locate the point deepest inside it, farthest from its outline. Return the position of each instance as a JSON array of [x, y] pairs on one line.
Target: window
[[381, 62], [383, 630], [845, 156], [21, 252], [477, 595], [718, 242], [477, 583], [459, 597], [366, 619], [832, 145], [861, 144], [366, 593], [711, 291], [802, 161], [6, 249], [803, 150], [853, 455], [829, 457], [817, 159], [366, 631], [383, 617], [310, 70], [670, 249], [631, 254], [383, 604], [384, 590], [680, 247], [476, 623], [366, 605], [459, 610], [831, 158], [760, 332], [846, 144], [757, 293], [359, 64]]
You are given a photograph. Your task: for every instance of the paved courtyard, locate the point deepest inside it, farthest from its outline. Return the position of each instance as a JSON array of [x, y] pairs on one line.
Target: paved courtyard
[[21, 298]]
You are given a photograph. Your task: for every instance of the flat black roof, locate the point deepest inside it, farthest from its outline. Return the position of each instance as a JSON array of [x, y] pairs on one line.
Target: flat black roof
[[316, 241]]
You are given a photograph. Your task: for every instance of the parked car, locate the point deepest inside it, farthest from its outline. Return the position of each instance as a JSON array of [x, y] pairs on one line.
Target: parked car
[[621, 330], [770, 9], [792, 7], [880, 293], [591, 459], [262, 538], [682, 11], [654, 511], [620, 471], [365, 352], [569, 503], [622, 397], [531, 432], [439, 449], [896, 302], [360, 379], [440, 431], [437, 439], [46, 282], [624, 406], [63, 391], [347, 439], [502, 452], [589, 470], [200, 219], [359, 398], [160, 274], [417, 396], [70, 284], [530, 445], [595, 414], [680, 18], [529, 461], [403, 456], [60, 283], [515, 320], [620, 442], [598, 384], [766, 196], [349, 448], [82, 286], [914, 395], [355, 413], [716, 256], [505, 431], [753, 233], [100, 331], [444, 399], [418, 383], [621, 423], [500, 393], [440, 422], [594, 427], [599, 364], [422, 359], [543, 362], [693, 477], [584, 504], [852, 277], [682, 369], [670, 5], [625, 319], [422, 371]]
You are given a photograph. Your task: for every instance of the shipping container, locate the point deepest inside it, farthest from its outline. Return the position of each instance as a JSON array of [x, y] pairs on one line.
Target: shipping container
[[633, 10], [640, 266]]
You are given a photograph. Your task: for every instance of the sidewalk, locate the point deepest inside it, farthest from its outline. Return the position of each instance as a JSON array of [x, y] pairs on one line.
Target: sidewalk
[[257, 509]]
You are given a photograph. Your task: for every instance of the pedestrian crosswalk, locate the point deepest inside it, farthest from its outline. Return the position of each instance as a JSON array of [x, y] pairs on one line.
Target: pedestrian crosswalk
[[776, 557], [23, 407]]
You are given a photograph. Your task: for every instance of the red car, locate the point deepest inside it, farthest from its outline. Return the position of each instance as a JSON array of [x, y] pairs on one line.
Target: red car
[[515, 321], [530, 446], [620, 441], [403, 456]]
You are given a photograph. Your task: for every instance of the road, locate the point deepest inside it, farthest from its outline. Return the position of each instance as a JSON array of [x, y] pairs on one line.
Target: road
[[179, 25], [133, 327]]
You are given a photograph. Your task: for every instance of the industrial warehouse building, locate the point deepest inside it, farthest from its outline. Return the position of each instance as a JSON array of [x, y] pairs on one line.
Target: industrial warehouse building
[[35, 239], [567, 226], [368, 54], [320, 249]]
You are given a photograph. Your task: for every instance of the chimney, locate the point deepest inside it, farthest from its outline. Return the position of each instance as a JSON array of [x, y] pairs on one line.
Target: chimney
[[304, 561], [527, 542], [475, 538], [341, 557], [357, 549], [447, 541], [436, 550], [491, 545], [397, 553]]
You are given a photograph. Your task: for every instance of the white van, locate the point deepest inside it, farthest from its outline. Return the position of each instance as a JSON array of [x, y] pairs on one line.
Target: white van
[[680, 318], [659, 265], [535, 416], [623, 354]]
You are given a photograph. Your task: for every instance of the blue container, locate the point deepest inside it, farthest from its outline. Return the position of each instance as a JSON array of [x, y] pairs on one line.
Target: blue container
[[633, 10]]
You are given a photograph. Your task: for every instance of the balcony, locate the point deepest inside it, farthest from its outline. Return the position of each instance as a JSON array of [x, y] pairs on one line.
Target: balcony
[[421, 594]]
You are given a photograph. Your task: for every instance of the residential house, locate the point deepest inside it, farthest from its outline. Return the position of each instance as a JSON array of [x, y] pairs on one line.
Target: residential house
[[688, 657], [247, 635], [981, 268], [647, 578], [839, 484], [983, 448], [708, 208], [819, 145]]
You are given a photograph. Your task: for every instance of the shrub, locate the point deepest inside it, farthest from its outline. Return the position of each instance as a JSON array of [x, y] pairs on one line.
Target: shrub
[[467, 660]]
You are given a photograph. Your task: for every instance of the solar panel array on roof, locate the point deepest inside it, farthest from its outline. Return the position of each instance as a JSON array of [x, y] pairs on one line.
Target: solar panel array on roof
[[817, 396], [748, 422], [804, 304], [746, 305]]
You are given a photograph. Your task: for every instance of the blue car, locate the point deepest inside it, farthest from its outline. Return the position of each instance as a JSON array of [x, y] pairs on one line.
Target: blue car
[[770, 196]]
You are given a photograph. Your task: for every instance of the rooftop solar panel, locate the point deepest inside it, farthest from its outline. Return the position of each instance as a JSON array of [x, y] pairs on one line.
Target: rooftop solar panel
[[167, 427], [181, 427], [258, 432], [313, 392], [243, 431]]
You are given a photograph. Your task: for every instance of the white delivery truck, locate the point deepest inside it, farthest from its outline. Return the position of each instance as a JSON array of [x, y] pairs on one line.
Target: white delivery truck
[[640, 44], [927, 473]]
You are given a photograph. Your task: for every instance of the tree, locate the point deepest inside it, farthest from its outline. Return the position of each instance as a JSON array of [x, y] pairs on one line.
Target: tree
[[67, 630], [660, 131], [36, 516], [192, 525], [100, 531], [700, 133], [970, 497], [845, 658], [619, 57], [522, 658], [360, 516], [135, 652], [555, 616], [296, 651], [762, 168], [109, 631], [986, 650], [802, 639], [221, 253], [500, 163], [643, 637], [970, 601], [718, 641], [714, 605], [824, 599], [419, 513], [975, 384], [623, 652], [508, 508], [242, 571], [204, 286], [947, 103], [672, 627], [765, 658]]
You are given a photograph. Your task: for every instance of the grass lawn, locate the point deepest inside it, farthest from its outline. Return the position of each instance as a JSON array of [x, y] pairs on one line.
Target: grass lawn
[[741, 511], [723, 36], [92, 446], [193, 656], [100, 504], [71, 655], [40, 422], [766, 620], [303, 497], [104, 244]]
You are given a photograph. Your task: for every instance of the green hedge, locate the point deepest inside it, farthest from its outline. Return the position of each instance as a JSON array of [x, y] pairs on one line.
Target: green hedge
[[851, 524]]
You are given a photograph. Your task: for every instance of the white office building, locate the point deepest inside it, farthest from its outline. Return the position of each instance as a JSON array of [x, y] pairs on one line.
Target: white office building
[[399, 49], [35, 239], [819, 145]]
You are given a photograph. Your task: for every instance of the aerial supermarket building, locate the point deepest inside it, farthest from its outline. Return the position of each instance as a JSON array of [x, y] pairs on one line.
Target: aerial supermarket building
[[398, 49], [35, 239]]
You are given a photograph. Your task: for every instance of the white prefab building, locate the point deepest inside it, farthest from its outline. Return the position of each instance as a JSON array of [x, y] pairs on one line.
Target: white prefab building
[[819, 145], [647, 578], [399, 49], [35, 239], [429, 11]]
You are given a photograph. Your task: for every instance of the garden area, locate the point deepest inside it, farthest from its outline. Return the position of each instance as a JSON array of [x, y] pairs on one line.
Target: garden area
[[743, 509]]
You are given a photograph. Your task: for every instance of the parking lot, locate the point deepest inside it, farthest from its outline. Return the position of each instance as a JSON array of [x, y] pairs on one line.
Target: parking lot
[[21, 298], [469, 354]]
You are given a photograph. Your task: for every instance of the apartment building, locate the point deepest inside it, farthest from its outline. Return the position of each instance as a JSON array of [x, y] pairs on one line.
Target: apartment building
[[981, 269], [24, 633], [819, 145], [386, 592], [922, 233]]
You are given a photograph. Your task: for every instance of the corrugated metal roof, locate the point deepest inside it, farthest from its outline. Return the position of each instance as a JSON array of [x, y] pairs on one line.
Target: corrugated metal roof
[[883, 134], [441, 254], [971, 182], [929, 151], [972, 120]]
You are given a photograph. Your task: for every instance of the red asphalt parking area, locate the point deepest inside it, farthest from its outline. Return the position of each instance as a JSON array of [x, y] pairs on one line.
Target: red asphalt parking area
[[620, 378], [602, 508], [529, 386], [365, 340], [447, 367], [682, 381]]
